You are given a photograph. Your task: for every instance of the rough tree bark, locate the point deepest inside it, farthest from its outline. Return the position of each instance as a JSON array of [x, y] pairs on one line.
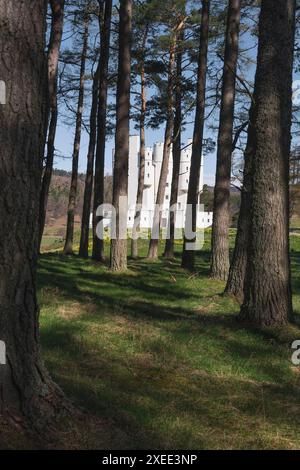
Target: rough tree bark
[[68, 248], [88, 187], [153, 245], [221, 211], [237, 271], [140, 189], [26, 388], [57, 8], [98, 246], [268, 299], [176, 152], [118, 254], [188, 255]]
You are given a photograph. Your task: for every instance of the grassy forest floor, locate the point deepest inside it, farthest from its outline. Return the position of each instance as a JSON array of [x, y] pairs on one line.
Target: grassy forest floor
[[156, 358]]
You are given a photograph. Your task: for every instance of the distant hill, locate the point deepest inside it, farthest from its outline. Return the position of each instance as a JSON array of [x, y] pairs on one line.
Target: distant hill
[[59, 195]]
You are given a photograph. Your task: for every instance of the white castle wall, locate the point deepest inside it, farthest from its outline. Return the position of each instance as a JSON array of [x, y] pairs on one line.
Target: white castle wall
[[153, 163]]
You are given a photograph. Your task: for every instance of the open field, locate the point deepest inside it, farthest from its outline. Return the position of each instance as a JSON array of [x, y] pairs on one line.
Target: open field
[[157, 359]]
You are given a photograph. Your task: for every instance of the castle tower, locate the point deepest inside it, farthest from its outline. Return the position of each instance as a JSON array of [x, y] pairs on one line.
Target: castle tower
[[153, 164]]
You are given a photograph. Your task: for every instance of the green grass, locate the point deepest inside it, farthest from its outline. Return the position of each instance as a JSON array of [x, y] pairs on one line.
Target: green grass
[[158, 354], [295, 222]]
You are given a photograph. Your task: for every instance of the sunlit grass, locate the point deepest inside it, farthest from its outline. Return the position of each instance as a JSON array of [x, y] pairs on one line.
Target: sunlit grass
[[159, 352]]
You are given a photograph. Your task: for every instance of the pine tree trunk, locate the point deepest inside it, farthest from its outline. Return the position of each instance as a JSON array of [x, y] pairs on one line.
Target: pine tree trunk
[[176, 151], [88, 187], [118, 255], [57, 7], [153, 245], [57, 10], [268, 300], [25, 384], [140, 189], [188, 255], [68, 248], [98, 245], [237, 271], [221, 211], [46, 179]]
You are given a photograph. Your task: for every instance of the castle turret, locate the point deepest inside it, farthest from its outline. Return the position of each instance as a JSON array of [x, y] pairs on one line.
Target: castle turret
[[158, 151], [153, 164]]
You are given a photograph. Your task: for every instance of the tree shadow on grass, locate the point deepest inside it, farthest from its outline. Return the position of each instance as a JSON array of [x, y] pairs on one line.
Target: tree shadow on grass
[[145, 309], [144, 291], [167, 391], [143, 279], [166, 404]]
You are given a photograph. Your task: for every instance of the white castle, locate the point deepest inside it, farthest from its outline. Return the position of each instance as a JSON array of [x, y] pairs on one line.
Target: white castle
[[153, 163]]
